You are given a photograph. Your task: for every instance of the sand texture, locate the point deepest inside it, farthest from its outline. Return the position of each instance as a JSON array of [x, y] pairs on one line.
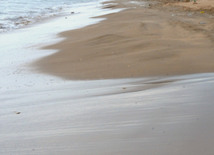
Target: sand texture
[[143, 40], [162, 116], [170, 115], [202, 5]]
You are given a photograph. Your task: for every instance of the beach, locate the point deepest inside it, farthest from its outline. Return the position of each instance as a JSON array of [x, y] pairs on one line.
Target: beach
[[161, 116], [146, 39], [136, 78]]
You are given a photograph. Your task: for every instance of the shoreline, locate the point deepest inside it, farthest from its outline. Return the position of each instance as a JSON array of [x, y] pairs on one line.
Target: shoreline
[[142, 41], [28, 18], [17, 54], [45, 114]]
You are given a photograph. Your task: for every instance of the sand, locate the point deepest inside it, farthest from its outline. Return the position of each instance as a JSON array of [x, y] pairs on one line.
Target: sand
[[159, 116], [146, 39], [201, 5], [170, 115]]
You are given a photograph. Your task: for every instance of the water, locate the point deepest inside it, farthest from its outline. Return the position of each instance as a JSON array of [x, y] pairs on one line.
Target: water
[[17, 55], [19, 13]]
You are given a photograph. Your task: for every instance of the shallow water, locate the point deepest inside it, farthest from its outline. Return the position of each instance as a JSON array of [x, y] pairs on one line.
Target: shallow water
[[19, 48], [19, 13]]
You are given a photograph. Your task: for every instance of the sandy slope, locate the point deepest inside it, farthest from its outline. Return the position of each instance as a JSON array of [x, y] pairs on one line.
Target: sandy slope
[[144, 40]]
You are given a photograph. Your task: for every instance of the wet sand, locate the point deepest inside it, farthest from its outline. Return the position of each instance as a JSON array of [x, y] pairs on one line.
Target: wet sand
[[158, 115], [146, 39]]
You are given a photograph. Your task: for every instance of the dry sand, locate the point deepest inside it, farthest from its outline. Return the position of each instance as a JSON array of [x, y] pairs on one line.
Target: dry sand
[[146, 39], [203, 5]]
